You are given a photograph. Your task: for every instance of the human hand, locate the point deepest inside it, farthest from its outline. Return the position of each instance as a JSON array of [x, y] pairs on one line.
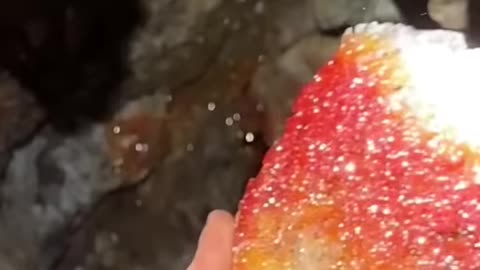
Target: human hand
[[214, 251]]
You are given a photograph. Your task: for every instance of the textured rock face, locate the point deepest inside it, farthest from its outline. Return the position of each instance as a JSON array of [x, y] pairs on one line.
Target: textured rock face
[[449, 13], [47, 183]]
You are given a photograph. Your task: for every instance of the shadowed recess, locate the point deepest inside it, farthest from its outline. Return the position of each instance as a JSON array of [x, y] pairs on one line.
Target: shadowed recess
[[71, 54]]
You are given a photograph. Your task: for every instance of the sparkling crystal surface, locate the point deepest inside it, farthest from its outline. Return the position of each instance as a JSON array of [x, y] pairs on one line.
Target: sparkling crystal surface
[[360, 179]]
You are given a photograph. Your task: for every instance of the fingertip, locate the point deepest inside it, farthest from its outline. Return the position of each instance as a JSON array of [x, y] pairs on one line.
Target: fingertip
[[220, 217], [214, 245]]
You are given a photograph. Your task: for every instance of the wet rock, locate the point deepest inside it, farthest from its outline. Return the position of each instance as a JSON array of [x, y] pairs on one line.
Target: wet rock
[[136, 137], [450, 14], [277, 82], [334, 14]]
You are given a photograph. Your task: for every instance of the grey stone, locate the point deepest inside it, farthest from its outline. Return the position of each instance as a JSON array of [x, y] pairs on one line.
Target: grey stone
[[48, 183], [450, 14]]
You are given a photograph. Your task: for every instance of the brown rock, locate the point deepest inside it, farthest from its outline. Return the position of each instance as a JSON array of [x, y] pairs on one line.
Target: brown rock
[[137, 137]]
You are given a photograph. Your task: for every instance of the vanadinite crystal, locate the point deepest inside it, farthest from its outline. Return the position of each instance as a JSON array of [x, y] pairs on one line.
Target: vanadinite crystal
[[378, 167]]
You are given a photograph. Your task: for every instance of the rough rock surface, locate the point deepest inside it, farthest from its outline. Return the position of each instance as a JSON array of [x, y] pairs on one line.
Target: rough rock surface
[[48, 183], [450, 14]]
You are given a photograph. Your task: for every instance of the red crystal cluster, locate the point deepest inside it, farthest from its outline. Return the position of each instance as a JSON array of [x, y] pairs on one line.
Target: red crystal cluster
[[358, 182]]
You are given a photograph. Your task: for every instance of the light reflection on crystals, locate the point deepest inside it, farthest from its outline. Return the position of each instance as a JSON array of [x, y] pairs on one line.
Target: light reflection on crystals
[[471, 228], [449, 259], [464, 215], [350, 167], [357, 80], [460, 186], [322, 147], [373, 209], [421, 240]]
